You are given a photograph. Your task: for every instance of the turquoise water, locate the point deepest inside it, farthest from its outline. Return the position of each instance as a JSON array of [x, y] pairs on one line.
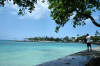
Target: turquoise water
[[31, 53]]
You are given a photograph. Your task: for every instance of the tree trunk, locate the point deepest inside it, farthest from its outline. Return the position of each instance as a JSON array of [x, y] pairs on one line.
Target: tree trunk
[[93, 21]]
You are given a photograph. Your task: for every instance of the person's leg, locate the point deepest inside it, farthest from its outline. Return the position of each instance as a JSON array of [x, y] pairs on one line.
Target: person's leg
[[87, 46], [90, 47]]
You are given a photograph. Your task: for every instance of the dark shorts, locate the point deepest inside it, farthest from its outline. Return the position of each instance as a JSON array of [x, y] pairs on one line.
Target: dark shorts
[[88, 44]]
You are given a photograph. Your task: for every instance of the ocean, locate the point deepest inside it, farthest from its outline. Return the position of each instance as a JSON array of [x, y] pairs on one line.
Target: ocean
[[14, 53]]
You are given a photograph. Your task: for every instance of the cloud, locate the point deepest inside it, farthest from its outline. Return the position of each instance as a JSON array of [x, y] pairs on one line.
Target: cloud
[[39, 12], [87, 21], [9, 4], [71, 17]]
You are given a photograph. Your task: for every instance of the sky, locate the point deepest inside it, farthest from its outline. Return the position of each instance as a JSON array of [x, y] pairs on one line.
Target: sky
[[38, 24]]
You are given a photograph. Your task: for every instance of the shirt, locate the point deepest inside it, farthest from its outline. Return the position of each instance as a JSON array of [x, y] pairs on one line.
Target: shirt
[[88, 38]]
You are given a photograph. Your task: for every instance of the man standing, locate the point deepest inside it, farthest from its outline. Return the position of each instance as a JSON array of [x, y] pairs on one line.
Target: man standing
[[88, 41]]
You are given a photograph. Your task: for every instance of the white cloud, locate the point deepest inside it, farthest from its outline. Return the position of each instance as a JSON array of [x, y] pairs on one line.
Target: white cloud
[[10, 4], [71, 17], [38, 13], [88, 21]]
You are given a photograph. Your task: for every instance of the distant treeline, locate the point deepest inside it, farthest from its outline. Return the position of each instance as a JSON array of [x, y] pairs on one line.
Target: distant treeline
[[45, 39], [95, 39]]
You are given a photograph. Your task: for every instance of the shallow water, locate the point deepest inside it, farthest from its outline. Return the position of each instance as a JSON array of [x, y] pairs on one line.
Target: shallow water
[[32, 53]]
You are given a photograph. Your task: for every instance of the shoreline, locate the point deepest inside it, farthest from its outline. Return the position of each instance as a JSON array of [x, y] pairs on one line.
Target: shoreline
[[56, 41], [82, 58], [53, 41]]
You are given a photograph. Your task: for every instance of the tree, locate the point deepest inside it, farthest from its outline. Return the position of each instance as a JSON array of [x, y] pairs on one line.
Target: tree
[[78, 35], [61, 10], [96, 39], [66, 39], [82, 38], [97, 33], [23, 5]]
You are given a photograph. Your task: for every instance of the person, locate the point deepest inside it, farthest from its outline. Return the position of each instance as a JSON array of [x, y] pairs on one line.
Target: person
[[88, 42]]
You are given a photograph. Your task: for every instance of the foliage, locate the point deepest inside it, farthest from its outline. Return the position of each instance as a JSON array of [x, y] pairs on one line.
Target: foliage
[[66, 39], [96, 39], [82, 38], [97, 33], [44, 39], [62, 10], [23, 5], [93, 38]]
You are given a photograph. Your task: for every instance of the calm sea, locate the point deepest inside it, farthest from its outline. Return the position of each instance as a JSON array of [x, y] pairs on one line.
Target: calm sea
[[32, 53]]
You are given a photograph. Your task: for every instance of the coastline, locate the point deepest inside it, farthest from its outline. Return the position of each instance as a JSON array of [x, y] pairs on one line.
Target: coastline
[[82, 58], [54, 41]]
